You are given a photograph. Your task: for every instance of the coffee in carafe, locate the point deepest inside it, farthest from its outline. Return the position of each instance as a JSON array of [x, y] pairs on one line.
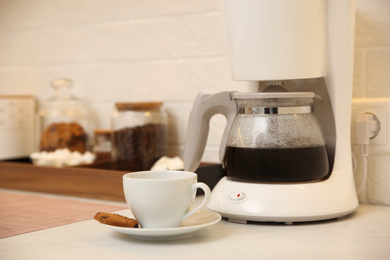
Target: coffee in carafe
[[275, 138], [276, 164]]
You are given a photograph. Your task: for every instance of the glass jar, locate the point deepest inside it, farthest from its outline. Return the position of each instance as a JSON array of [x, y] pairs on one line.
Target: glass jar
[[64, 120], [139, 135], [102, 144]]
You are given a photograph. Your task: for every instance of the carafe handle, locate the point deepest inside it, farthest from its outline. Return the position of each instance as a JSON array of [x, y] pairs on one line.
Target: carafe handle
[[206, 106]]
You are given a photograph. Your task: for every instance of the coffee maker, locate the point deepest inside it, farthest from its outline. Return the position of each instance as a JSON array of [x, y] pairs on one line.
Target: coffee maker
[[301, 46]]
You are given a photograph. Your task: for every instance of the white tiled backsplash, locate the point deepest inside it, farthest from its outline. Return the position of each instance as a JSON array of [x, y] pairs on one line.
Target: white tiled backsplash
[[149, 50]]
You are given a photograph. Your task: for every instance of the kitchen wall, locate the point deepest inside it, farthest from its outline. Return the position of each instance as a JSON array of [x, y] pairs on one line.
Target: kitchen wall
[[372, 80], [372, 49], [150, 50]]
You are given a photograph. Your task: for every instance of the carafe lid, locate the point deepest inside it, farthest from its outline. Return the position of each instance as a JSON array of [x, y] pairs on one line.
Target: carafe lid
[[256, 95], [274, 99]]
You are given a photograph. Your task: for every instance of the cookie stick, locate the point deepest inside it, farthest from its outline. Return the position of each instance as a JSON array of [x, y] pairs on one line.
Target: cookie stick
[[115, 220]]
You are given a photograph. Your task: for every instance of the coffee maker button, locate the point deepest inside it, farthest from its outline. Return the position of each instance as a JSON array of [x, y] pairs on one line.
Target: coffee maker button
[[237, 196]]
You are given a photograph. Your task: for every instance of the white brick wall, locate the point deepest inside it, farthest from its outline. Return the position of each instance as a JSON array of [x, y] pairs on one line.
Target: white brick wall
[[372, 49], [132, 50]]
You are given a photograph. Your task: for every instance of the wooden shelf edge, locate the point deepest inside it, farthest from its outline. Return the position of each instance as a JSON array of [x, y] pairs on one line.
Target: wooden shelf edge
[[82, 182]]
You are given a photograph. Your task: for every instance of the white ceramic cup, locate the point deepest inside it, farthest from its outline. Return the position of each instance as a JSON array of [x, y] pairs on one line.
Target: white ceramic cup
[[162, 199]]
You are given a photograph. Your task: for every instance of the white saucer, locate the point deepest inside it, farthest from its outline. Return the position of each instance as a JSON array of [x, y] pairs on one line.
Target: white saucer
[[198, 221]]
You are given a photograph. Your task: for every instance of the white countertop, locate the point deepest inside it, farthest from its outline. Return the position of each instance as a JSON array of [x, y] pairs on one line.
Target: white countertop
[[362, 235]]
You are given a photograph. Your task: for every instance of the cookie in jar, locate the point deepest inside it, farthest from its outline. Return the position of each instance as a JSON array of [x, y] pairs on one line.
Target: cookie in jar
[[64, 120]]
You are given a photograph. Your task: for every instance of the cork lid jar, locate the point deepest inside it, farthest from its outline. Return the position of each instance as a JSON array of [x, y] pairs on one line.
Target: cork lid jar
[[139, 135]]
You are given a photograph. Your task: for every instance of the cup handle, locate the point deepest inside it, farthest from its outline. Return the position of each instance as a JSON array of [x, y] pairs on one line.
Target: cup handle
[[207, 193]]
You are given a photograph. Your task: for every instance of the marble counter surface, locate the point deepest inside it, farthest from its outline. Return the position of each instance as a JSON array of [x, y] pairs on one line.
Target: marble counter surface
[[362, 235]]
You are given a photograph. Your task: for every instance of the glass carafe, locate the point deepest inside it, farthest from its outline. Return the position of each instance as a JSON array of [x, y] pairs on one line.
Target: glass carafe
[[275, 138]]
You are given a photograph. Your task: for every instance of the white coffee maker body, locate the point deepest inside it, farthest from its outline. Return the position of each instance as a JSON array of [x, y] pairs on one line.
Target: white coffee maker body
[[307, 45]]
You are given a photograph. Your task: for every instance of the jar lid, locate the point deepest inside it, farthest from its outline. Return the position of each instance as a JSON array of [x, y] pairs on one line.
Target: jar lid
[[102, 131], [138, 105]]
